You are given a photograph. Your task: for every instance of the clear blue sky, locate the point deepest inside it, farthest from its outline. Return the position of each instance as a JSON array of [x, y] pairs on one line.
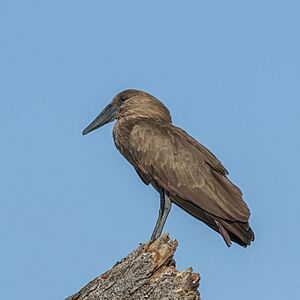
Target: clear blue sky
[[71, 206]]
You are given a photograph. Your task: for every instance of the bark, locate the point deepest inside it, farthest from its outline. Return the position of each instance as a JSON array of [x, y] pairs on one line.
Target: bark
[[146, 273]]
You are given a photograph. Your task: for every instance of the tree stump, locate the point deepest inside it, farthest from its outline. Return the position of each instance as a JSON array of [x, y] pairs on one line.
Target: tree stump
[[148, 272]]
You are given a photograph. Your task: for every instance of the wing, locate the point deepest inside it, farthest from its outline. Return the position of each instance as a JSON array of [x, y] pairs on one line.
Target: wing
[[175, 161]]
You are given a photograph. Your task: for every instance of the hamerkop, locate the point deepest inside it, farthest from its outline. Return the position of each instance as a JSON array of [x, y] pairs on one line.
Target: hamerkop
[[182, 170]]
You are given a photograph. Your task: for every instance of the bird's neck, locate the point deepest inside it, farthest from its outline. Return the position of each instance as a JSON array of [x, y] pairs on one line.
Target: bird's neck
[[121, 132], [121, 135]]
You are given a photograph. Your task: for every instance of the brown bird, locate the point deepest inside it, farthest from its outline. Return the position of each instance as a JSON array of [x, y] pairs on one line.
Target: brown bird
[[182, 170]]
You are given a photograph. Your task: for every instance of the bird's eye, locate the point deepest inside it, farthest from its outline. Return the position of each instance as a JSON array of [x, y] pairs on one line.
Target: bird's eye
[[123, 99]]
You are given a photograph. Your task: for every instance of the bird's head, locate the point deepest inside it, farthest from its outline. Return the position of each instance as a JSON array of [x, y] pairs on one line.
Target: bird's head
[[131, 104]]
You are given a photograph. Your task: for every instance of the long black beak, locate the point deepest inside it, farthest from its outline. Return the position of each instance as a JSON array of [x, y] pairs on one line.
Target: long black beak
[[107, 115]]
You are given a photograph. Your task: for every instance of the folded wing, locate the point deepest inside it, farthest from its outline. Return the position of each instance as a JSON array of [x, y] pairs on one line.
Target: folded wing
[[169, 157]]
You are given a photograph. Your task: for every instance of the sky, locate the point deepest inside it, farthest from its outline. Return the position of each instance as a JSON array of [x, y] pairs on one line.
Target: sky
[[71, 206]]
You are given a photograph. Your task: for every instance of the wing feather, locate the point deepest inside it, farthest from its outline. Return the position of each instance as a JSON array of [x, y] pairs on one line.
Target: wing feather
[[185, 168]]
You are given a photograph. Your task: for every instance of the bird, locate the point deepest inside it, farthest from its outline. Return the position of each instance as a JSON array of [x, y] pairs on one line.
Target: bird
[[182, 170]]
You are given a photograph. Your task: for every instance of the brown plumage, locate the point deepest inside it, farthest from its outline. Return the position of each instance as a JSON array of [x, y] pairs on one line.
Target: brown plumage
[[176, 165]]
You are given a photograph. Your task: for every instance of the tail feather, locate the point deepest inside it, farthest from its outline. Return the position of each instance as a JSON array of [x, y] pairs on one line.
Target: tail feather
[[239, 232], [224, 234], [231, 231]]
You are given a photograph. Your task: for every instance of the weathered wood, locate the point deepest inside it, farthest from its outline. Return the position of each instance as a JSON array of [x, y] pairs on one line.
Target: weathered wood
[[146, 273]]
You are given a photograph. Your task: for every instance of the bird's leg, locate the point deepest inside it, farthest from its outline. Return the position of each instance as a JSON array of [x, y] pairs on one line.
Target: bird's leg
[[165, 206]]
